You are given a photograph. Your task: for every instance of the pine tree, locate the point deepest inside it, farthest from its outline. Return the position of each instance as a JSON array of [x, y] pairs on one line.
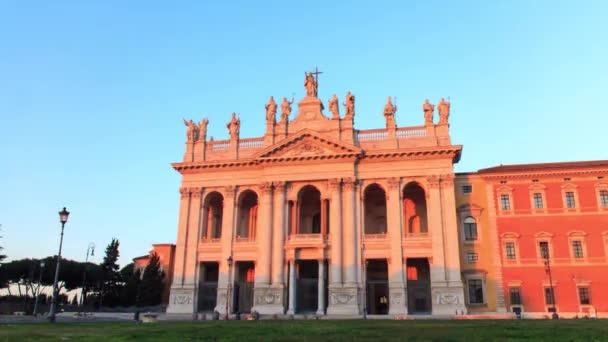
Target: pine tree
[[151, 288], [129, 292], [111, 280]]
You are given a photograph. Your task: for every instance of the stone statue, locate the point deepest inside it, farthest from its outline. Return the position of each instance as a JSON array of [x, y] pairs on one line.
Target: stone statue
[[333, 107], [191, 131], [310, 84], [444, 111], [349, 105], [389, 112], [233, 127], [428, 109], [202, 129], [271, 110], [285, 109]]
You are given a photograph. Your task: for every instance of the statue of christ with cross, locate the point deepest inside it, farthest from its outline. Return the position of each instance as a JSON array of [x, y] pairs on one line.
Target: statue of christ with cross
[[311, 83]]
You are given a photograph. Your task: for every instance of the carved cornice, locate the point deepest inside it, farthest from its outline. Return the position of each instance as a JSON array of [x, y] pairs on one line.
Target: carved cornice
[[279, 185], [447, 179], [196, 192]]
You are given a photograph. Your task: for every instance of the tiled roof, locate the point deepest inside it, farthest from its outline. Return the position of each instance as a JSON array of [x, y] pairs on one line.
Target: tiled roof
[[545, 166]]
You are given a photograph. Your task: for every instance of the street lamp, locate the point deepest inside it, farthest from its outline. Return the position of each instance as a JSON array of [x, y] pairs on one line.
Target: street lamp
[[554, 297], [39, 288], [91, 250], [229, 282], [63, 218]]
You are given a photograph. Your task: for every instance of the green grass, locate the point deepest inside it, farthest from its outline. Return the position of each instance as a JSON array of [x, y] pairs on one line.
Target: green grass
[[312, 330]]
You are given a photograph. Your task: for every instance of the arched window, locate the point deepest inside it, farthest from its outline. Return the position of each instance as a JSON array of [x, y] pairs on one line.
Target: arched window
[[470, 229], [375, 210], [247, 215], [414, 209], [213, 210], [309, 207]]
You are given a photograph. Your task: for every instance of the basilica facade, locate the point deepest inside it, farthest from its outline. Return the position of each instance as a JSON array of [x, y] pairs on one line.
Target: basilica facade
[[316, 216]]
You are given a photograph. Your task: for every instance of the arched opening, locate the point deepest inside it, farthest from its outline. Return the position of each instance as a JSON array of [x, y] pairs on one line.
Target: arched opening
[[414, 209], [470, 229], [213, 212], [375, 210], [309, 207], [247, 216]]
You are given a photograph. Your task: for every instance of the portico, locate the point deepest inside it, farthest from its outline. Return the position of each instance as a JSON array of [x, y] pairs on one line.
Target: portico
[[319, 213]]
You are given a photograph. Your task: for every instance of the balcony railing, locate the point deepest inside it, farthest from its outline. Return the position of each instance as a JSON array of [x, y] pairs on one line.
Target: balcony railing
[[219, 145], [372, 134], [251, 143], [374, 236], [415, 235], [411, 132]]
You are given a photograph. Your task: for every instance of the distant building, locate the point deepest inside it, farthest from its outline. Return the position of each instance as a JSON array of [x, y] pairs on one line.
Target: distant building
[[320, 217], [166, 255]]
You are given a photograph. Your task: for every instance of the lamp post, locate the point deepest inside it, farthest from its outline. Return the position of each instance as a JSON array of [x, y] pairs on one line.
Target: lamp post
[[63, 218], [229, 283], [39, 287], [554, 297], [91, 250]]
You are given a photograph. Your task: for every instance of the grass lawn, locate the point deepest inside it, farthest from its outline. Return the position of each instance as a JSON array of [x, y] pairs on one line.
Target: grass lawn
[[310, 330]]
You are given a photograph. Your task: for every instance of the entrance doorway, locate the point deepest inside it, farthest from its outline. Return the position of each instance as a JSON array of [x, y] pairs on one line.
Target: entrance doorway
[[418, 286], [377, 287], [307, 286], [207, 286], [243, 286]]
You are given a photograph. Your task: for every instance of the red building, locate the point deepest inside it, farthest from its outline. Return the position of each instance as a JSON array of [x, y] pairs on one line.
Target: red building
[[166, 256], [555, 213]]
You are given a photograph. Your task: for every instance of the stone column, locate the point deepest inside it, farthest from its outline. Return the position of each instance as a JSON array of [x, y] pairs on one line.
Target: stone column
[[292, 288], [435, 226], [452, 297], [181, 300], [350, 233], [269, 299], [335, 223], [262, 272], [396, 285], [321, 291], [226, 243]]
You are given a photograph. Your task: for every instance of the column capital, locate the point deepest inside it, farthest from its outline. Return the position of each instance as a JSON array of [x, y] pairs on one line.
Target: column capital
[[447, 179], [229, 191], [433, 181], [350, 183], [334, 184], [265, 188], [196, 192], [279, 185], [184, 192], [393, 183]]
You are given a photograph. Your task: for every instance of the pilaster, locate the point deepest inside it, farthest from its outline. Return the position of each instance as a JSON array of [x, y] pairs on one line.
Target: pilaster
[[496, 249], [397, 290], [226, 242]]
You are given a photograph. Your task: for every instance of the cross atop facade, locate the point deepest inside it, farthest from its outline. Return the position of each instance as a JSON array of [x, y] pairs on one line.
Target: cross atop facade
[[316, 73]]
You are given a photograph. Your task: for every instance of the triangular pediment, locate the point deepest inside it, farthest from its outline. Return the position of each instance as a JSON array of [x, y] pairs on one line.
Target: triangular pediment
[[306, 144]]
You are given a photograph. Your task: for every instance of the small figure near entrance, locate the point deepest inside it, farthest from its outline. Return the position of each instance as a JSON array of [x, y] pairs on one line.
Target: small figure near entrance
[[233, 127]]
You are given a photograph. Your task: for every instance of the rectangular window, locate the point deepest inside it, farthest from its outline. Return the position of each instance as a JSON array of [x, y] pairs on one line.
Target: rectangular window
[[577, 249], [543, 247], [604, 198], [570, 202], [583, 296], [549, 299], [472, 257], [510, 250], [515, 295], [470, 229], [538, 200], [475, 291], [467, 189], [505, 203]]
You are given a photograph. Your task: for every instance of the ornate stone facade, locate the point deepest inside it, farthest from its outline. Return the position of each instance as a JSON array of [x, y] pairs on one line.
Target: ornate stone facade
[[318, 216]]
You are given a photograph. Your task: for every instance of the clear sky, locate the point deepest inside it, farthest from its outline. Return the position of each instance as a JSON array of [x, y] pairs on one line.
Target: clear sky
[[92, 93]]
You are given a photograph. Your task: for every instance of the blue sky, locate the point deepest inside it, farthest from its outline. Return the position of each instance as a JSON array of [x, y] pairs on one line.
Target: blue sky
[[92, 93]]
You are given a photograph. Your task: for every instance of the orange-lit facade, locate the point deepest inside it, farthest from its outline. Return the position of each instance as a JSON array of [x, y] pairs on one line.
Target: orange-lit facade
[[316, 216], [166, 256]]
